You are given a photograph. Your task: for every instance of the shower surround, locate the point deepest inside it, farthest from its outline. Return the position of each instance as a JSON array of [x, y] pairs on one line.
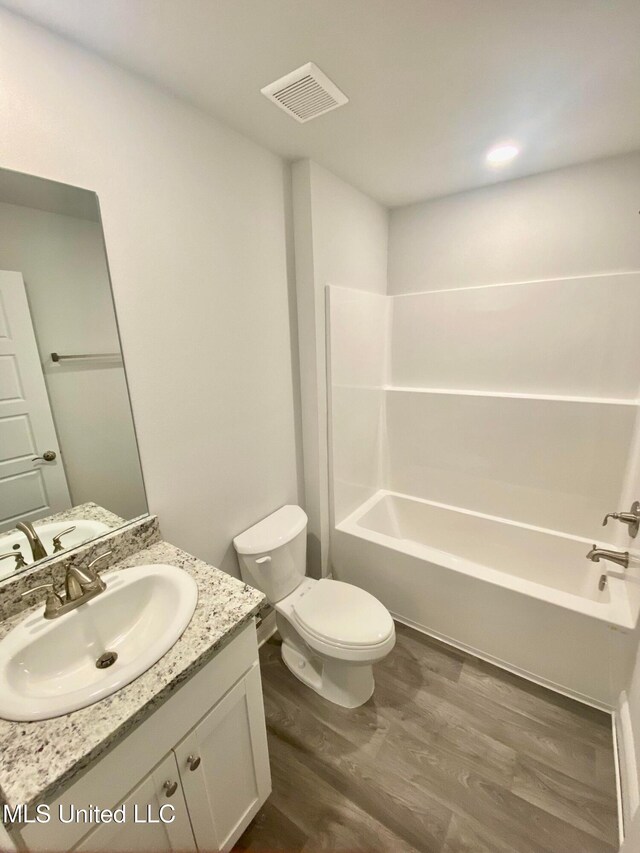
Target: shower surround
[[478, 435]]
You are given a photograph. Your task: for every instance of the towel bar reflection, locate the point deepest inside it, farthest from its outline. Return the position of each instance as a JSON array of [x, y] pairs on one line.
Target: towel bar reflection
[[56, 357]]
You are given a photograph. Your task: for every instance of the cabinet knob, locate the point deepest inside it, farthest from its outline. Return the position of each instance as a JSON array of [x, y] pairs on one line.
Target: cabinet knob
[[170, 787], [193, 762]]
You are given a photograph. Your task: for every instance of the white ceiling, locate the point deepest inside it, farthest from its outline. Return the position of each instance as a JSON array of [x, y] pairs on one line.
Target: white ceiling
[[432, 83]]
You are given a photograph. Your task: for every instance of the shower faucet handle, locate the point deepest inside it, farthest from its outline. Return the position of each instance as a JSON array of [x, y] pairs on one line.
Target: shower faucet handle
[[631, 518]]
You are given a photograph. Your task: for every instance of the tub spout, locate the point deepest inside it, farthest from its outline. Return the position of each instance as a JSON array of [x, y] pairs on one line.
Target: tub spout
[[620, 557]]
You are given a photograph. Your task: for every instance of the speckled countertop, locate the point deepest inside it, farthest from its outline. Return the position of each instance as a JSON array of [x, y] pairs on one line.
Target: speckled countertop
[[40, 759]]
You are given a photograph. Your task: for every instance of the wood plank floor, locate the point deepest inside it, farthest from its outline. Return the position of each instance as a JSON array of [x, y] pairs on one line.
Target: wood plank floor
[[449, 755]]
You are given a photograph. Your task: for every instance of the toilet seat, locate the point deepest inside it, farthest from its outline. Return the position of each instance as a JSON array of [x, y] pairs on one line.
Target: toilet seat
[[344, 621]]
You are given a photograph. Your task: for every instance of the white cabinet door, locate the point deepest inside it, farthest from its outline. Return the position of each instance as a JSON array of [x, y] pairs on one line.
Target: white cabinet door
[[143, 829], [28, 489], [224, 766]]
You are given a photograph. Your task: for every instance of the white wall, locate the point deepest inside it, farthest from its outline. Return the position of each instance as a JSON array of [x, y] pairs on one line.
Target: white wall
[[63, 265], [341, 239], [350, 234], [578, 221], [194, 220]]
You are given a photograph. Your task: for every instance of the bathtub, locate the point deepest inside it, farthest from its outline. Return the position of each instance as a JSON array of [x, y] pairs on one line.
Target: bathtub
[[519, 596]]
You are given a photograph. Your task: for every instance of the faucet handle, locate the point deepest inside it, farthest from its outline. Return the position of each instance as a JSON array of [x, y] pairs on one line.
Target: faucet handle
[[53, 601], [106, 554], [93, 562], [631, 518], [17, 556], [57, 544]]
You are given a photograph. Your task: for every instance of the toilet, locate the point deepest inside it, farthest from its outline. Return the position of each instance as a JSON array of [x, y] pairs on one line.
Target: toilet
[[332, 632]]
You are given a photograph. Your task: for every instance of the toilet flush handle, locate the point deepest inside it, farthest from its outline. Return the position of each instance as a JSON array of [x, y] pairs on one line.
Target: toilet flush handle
[[263, 560]]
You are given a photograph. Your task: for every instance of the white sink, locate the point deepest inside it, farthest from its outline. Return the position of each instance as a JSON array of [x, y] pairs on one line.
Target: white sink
[[48, 667], [85, 529]]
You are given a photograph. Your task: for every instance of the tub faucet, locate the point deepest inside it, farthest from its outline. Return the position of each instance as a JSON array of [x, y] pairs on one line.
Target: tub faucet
[[620, 557], [35, 543]]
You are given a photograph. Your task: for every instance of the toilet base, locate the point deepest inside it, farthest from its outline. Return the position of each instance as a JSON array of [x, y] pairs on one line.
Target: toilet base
[[343, 683]]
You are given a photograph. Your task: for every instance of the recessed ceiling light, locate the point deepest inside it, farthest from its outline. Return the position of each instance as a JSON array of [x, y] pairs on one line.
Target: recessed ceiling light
[[502, 153]]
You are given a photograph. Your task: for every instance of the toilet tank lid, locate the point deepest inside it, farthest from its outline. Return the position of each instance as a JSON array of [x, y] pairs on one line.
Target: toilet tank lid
[[273, 531]]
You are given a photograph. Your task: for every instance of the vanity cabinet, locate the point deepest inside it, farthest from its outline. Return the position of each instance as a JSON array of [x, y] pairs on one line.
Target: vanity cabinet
[[203, 752], [214, 780], [144, 802], [224, 766]]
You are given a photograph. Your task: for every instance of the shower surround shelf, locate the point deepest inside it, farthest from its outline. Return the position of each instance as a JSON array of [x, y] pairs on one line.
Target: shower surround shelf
[[555, 398]]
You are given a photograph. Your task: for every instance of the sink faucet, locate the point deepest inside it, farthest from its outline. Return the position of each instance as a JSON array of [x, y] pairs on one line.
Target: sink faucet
[[81, 585], [84, 583], [620, 557], [35, 543]]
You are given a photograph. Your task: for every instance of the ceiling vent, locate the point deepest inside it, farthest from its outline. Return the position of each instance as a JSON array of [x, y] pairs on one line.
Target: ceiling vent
[[305, 93]]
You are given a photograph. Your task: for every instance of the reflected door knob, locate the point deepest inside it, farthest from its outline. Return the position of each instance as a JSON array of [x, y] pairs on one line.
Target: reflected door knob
[[47, 456]]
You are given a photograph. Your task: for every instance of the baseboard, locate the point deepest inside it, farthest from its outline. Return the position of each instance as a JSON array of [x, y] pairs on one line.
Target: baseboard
[[616, 761], [522, 673], [626, 761]]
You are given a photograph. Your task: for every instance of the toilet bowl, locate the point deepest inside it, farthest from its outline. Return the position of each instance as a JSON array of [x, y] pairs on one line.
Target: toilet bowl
[[332, 632]]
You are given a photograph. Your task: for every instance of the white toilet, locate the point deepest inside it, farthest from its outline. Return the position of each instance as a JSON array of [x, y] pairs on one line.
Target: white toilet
[[332, 632]]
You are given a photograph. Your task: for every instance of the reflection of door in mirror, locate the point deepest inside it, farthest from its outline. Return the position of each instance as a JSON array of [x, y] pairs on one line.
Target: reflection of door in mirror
[[69, 461], [30, 485]]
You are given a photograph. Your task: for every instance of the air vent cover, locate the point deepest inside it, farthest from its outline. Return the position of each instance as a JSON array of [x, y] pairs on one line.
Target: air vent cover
[[305, 93]]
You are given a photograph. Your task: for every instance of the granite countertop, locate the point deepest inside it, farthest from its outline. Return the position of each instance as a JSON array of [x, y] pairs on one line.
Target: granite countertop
[[40, 759]]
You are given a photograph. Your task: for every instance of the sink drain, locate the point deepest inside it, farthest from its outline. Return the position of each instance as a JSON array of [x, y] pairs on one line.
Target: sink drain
[[106, 660]]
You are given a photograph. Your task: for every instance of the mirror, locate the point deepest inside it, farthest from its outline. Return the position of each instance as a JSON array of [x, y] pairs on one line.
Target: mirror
[[69, 463]]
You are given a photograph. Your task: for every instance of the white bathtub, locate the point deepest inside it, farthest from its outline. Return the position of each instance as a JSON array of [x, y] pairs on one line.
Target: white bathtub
[[522, 597]]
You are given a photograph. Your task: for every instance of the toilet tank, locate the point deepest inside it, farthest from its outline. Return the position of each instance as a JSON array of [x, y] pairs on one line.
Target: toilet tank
[[273, 553]]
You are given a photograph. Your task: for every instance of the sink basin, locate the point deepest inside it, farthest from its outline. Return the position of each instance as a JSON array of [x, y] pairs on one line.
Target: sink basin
[[85, 529], [49, 667]]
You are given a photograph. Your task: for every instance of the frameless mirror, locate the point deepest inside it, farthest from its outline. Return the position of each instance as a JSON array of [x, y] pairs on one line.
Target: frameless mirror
[[69, 464]]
